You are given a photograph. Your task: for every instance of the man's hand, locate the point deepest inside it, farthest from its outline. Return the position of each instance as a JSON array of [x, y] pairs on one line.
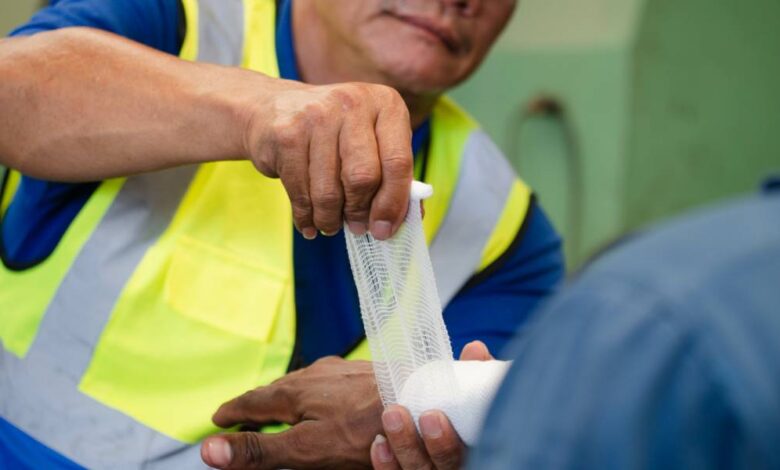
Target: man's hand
[[343, 152], [335, 412], [439, 447], [334, 409]]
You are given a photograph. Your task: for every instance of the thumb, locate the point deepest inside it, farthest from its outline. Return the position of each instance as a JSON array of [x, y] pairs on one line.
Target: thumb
[[241, 450], [475, 351]]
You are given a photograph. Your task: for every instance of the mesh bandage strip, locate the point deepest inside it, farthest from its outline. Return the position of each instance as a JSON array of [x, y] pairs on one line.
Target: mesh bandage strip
[[409, 343], [400, 306]]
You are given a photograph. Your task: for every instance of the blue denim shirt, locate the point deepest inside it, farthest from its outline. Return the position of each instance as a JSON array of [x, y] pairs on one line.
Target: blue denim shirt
[[664, 354]]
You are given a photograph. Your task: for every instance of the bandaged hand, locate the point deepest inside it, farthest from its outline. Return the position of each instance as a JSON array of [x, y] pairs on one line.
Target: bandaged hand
[[436, 446]]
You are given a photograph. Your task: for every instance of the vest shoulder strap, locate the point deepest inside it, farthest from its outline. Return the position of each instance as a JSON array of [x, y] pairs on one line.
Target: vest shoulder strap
[[232, 33], [486, 203]]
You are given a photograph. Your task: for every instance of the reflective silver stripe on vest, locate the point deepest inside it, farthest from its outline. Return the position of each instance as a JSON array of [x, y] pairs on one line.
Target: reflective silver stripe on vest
[[220, 31], [484, 184], [40, 392]]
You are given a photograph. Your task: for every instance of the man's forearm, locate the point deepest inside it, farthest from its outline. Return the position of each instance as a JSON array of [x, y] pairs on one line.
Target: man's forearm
[[79, 104], [84, 105]]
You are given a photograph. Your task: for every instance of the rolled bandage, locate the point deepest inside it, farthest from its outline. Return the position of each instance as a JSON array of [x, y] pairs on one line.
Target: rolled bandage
[[409, 344], [466, 406]]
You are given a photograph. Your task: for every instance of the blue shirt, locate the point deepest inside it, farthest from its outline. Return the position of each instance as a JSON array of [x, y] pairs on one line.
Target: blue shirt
[[665, 353], [326, 301]]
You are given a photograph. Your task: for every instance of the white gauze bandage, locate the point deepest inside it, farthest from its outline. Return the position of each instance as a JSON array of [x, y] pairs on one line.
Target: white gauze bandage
[[409, 344]]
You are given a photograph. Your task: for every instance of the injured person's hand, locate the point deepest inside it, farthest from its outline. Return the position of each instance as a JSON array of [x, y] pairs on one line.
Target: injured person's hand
[[335, 413], [334, 409], [437, 446]]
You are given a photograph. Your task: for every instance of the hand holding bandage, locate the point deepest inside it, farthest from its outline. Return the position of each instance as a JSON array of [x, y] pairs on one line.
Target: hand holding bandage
[[409, 342], [436, 446], [335, 414]]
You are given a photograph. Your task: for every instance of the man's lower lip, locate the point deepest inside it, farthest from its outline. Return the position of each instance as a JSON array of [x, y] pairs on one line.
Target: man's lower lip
[[428, 32]]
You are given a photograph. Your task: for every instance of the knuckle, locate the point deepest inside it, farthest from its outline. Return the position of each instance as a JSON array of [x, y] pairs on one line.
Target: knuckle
[[280, 391], [385, 93], [329, 199], [283, 393], [398, 163], [391, 99], [324, 360], [287, 399], [444, 450], [406, 441], [287, 133], [348, 95], [316, 113], [361, 180], [252, 451], [301, 202]]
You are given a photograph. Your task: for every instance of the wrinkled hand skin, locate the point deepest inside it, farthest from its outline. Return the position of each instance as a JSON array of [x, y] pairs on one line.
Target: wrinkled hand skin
[[342, 153], [439, 447], [337, 423], [334, 409]]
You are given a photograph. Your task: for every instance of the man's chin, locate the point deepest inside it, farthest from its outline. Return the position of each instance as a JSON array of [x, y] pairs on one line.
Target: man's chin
[[420, 79]]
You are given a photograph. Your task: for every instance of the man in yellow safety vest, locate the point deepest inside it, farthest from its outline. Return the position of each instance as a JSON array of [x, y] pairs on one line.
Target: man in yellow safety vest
[[170, 231]]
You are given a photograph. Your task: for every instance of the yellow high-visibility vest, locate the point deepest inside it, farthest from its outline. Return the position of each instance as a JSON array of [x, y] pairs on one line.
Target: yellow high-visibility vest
[[173, 291]]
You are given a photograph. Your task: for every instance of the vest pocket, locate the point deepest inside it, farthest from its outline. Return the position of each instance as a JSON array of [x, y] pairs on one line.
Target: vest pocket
[[216, 287], [195, 326]]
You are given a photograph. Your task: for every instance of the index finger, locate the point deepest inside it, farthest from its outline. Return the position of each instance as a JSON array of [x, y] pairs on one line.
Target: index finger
[[394, 142], [273, 403]]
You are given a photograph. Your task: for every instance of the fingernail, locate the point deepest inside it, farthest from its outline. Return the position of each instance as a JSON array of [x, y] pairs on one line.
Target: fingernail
[[392, 421], [382, 449], [219, 453], [357, 228], [309, 233], [381, 229], [430, 425], [328, 234]]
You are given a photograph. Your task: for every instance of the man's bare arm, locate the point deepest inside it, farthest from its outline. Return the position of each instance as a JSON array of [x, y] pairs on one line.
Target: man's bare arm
[[79, 105]]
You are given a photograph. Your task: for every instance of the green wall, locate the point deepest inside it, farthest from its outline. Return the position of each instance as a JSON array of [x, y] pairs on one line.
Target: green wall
[[15, 12], [666, 104], [705, 101]]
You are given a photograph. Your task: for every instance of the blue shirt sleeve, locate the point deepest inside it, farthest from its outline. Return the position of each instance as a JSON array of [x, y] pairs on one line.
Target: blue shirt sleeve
[[662, 354], [154, 23], [42, 211], [504, 298]]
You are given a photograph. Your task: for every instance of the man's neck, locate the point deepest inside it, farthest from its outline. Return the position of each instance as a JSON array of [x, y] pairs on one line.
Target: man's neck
[[323, 59]]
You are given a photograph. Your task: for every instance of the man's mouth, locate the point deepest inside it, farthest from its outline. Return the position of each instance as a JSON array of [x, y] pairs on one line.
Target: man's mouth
[[444, 33]]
